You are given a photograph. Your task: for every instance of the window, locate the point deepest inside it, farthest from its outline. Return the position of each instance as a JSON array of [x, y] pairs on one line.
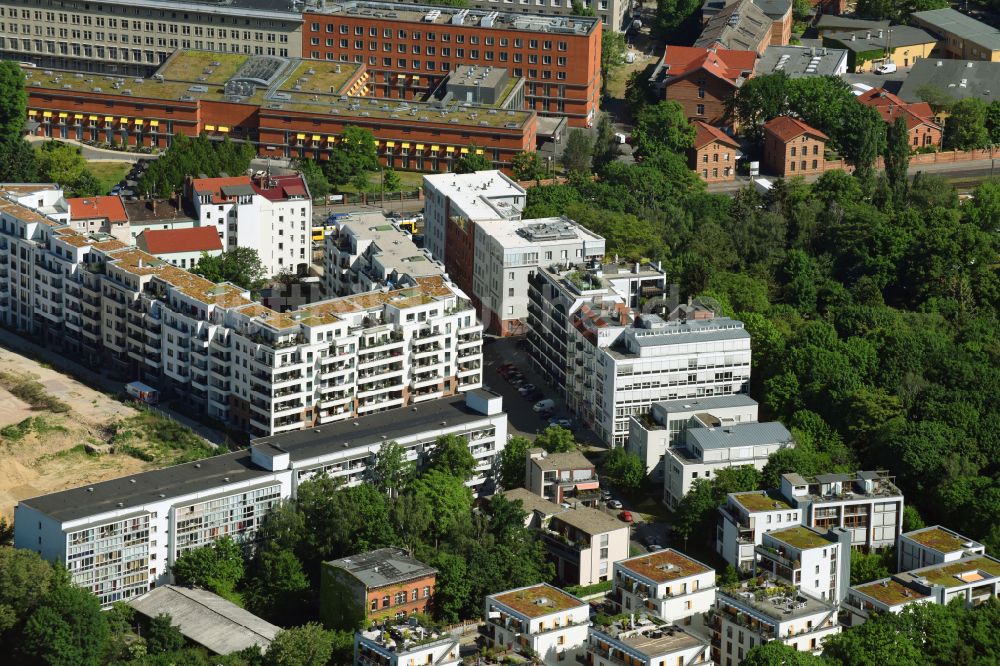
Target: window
[[701, 93], [427, 591], [700, 110], [793, 151], [374, 604], [385, 601], [510, 292]]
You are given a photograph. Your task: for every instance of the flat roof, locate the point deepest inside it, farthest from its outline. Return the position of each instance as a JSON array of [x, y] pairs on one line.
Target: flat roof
[[664, 566], [760, 500], [386, 566], [957, 79], [590, 521], [268, 9], [531, 502], [940, 539], [538, 600], [776, 605], [692, 330], [961, 25], [207, 619], [566, 460], [739, 434], [654, 640], [705, 404], [397, 252], [510, 234], [836, 22], [869, 40], [481, 195], [953, 574], [801, 537], [373, 429], [890, 592], [799, 61]]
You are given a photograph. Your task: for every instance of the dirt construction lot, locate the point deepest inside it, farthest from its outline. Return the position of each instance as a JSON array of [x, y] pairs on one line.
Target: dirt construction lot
[[57, 433]]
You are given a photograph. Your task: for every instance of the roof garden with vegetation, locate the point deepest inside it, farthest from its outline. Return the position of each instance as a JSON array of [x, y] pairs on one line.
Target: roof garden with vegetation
[[800, 537], [538, 600], [889, 591], [937, 538], [664, 566], [963, 572], [759, 500]]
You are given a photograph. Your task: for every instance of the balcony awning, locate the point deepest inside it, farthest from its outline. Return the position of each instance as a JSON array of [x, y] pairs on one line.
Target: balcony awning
[[46, 114], [405, 145], [154, 123], [223, 129], [139, 122], [590, 485], [209, 128], [435, 148], [123, 121], [465, 151], [109, 119], [92, 118], [77, 116], [32, 112], [479, 151], [390, 144], [300, 137], [316, 137], [64, 115], [419, 146], [450, 149]]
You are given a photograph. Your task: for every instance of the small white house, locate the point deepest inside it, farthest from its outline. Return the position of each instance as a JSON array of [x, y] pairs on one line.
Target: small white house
[[666, 583], [541, 620], [933, 545]]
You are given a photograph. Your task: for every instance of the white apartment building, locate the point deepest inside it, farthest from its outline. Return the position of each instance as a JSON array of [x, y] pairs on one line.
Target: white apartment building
[[885, 595], [667, 584], [508, 252], [541, 619], [271, 214], [744, 519], [119, 537], [816, 563], [458, 199], [933, 545], [746, 617], [562, 477], [585, 544], [265, 371], [646, 643], [405, 645], [366, 252], [136, 37]]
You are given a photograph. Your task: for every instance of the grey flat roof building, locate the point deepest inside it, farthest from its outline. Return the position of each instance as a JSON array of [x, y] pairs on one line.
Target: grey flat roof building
[[739, 434], [862, 41], [835, 22], [953, 22], [385, 566], [799, 61], [956, 78], [706, 404]]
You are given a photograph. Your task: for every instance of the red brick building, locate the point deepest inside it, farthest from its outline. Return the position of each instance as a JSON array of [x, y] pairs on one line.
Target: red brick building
[[923, 131], [410, 49], [792, 148], [702, 79], [713, 155]]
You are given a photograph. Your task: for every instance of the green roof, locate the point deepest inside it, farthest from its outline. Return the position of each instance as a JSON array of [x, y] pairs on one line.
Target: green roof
[[961, 572], [759, 500], [800, 537]]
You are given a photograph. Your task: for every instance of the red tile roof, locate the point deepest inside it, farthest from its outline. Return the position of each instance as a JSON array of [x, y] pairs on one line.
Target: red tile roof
[[787, 128], [91, 208], [891, 106], [722, 63], [172, 241], [706, 134]]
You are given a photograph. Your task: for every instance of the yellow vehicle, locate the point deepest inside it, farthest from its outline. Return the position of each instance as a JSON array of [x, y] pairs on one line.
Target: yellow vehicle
[[408, 225], [319, 233]]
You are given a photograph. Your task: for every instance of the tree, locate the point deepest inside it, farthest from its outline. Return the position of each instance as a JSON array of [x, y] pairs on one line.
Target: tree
[[308, 645], [451, 455], [696, 511], [670, 14], [801, 9], [475, 160], [192, 156], [315, 179], [897, 158], [866, 567], [578, 152], [13, 102], [355, 154], [965, 127], [758, 100], [578, 9], [391, 470], [993, 121], [277, 585], [391, 181], [162, 636], [662, 127], [556, 439], [216, 567], [60, 163], [776, 653], [527, 165], [25, 580], [86, 185], [625, 468], [240, 265], [612, 54], [18, 161], [339, 521], [513, 461], [911, 519], [449, 500], [67, 629], [605, 145]]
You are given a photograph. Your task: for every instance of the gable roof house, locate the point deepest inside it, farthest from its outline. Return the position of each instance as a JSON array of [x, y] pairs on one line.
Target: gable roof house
[[702, 79]]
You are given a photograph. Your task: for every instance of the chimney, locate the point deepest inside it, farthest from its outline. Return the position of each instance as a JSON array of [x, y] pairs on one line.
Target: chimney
[[880, 34], [854, 36], [868, 35]]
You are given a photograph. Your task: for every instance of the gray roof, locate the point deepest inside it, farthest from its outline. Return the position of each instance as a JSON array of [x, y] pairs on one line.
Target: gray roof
[[739, 434], [981, 79], [960, 25], [835, 22], [834, 478], [799, 61], [691, 334], [567, 460], [869, 40], [386, 566], [776, 9], [532, 502], [705, 404], [741, 26], [207, 619], [590, 521]]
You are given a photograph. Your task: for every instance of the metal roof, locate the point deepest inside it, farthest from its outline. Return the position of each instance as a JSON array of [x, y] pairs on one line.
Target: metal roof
[[386, 566], [739, 434], [705, 404], [960, 25], [958, 79]]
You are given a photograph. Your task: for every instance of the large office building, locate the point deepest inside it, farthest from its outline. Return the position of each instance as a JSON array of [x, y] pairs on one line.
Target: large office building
[[615, 15], [244, 364], [118, 538]]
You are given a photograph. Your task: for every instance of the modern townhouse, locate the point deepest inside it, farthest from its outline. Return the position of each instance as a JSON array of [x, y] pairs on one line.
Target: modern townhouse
[[562, 477], [118, 538], [585, 544], [933, 545], [885, 595], [555, 292], [645, 642], [540, 620], [816, 563], [744, 519], [366, 252], [270, 214], [667, 584], [101, 214], [745, 617], [405, 645]]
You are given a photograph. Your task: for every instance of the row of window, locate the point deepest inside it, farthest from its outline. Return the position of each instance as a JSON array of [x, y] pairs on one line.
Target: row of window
[[401, 598], [77, 19], [115, 53], [66, 33], [445, 37]]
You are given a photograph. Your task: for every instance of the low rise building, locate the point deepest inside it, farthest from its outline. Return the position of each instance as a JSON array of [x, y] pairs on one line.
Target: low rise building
[[540, 620], [561, 477], [816, 563], [922, 129], [749, 616], [645, 642], [885, 595], [793, 148], [714, 153], [902, 45], [157, 214], [952, 79], [827, 23], [740, 26], [960, 36], [101, 214], [798, 62], [744, 519], [584, 544], [701, 79], [933, 545], [667, 584], [183, 248], [405, 645], [384, 584], [779, 11]]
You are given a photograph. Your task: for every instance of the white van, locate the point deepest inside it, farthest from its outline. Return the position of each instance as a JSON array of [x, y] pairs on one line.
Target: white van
[[886, 68]]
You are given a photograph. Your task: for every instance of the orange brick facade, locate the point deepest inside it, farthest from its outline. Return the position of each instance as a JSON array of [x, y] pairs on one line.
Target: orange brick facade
[[713, 156], [702, 96], [409, 59], [401, 600], [801, 154]]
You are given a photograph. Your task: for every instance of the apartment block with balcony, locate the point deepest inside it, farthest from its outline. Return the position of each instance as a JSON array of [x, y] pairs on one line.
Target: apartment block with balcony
[[885, 595], [562, 477], [748, 616], [539, 619], [933, 545], [816, 563], [645, 642], [366, 252], [667, 584], [744, 519], [585, 544], [405, 645]]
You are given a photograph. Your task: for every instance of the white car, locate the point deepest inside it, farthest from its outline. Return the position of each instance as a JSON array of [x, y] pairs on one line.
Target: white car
[[614, 504], [542, 405]]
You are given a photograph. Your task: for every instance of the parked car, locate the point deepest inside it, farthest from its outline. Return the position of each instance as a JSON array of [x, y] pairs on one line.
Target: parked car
[[886, 68], [653, 547], [614, 504], [525, 389], [514, 377], [542, 405], [605, 495], [562, 423], [506, 368], [547, 412], [534, 395], [517, 381], [625, 516]]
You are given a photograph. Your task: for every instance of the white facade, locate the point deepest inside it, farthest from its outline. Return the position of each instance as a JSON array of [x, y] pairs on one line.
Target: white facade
[[585, 544], [933, 545], [645, 644], [885, 595], [667, 584], [271, 215], [541, 619], [119, 537], [405, 645], [816, 563], [744, 519]]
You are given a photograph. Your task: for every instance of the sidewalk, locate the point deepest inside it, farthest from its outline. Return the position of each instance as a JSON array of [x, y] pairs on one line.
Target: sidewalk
[[92, 154]]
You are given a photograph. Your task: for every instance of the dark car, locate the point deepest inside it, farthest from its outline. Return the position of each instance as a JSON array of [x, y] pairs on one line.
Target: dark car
[[534, 395]]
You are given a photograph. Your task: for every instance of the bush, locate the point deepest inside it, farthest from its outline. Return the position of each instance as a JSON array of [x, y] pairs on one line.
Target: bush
[[33, 393]]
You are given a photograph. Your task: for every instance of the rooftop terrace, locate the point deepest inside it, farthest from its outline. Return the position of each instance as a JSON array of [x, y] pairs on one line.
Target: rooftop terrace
[[778, 602], [538, 600], [962, 572], [759, 500], [651, 638]]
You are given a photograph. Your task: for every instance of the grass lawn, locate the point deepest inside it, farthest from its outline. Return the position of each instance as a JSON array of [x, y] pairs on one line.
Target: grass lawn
[[109, 173], [409, 180], [617, 81]]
